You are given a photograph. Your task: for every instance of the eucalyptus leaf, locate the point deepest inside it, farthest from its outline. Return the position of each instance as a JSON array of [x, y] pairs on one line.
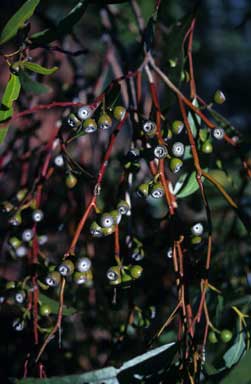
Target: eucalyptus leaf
[[190, 186], [62, 28], [3, 133], [32, 86], [67, 311], [18, 19], [37, 68], [240, 373], [234, 353], [193, 119]]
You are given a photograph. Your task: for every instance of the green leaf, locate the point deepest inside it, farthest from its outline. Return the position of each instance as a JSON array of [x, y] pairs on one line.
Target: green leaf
[[34, 67], [240, 373], [234, 353], [63, 27], [11, 94], [67, 311], [18, 19], [149, 363], [189, 186], [32, 86]]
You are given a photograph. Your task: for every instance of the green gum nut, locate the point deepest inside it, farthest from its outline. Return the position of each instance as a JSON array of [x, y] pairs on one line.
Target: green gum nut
[[157, 190], [83, 264], [104, 121], [71, 181], [21, 194], [73, 121], [45, 310], [212, 338], [136, 271], [160, 152], [177, 126], [218, 133], [96, 229], [7, 206], [123, 207], [197, 229], [84, 112], [114, 275], [20, 297], [207, 147], [90, 125], [79, 278], [119, 112], [10, 285], [108, 231], [226, 335], [143, 189], [66, 268], [196, 240], [219, 97], [175, 164], [178, 149], [125, 277], [15, 242], [16, 220]]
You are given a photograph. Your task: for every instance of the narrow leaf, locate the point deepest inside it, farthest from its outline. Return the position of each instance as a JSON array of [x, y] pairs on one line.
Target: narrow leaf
[[63, 27], [67, 311], [240, 373], [190, 185], [234, 353], [194, 120], [3, 133], [32, 86], [18, 19], [37, 68]]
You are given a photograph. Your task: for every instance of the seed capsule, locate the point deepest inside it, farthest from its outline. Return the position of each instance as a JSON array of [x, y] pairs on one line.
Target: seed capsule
[[71, 181], [218, 133], [20, 297], [106, 220], [59, 161], [7, 206], [37, 215], [79, 277], [119, 112], [84, 112], [96, 230], [114, 275], [16, 220], [157, 190], [66, 268], [53, 279], [27, 235], [45, 310], [90, 125], [175, 164], [73, 121], [42, 239], [149, 128], [178, 149], [18, 325], [21, 251], [207, 147], [196, 240], [197, 229], [136, 271], [160, 151], [15, 242], [83, 264], [104, 121], [123, 207], [138, 254], [177, 126], [143, 189]]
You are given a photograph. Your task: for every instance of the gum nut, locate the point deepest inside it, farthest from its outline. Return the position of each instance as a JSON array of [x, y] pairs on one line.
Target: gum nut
[[207, 147], [226, 335], [137, 254], [178, 149], [114, 275], [219, 97], [21, 251], [123, 207], [53, 279], [83, 264], [18, 325], [21, 194], [169, 252], [197, 229], [20, 297], [15, 242], [37, 215], [71, 181], [73, 121], [96, 230], [108, 231], [218, 133], [104, 121], [136, 271], [90, 125], [10, 284], [177, 126], [160, 151], [42, 239], [84, 112], [126, 277], [79, 277], [143, 190], [149, 127], [7, 206], [16, 220], [175, 164], [116, 215], [196, 240], [157, 191], [45, 310], [66, 268], [106, 220], [59, 161], [119, 112], [27, 235]]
